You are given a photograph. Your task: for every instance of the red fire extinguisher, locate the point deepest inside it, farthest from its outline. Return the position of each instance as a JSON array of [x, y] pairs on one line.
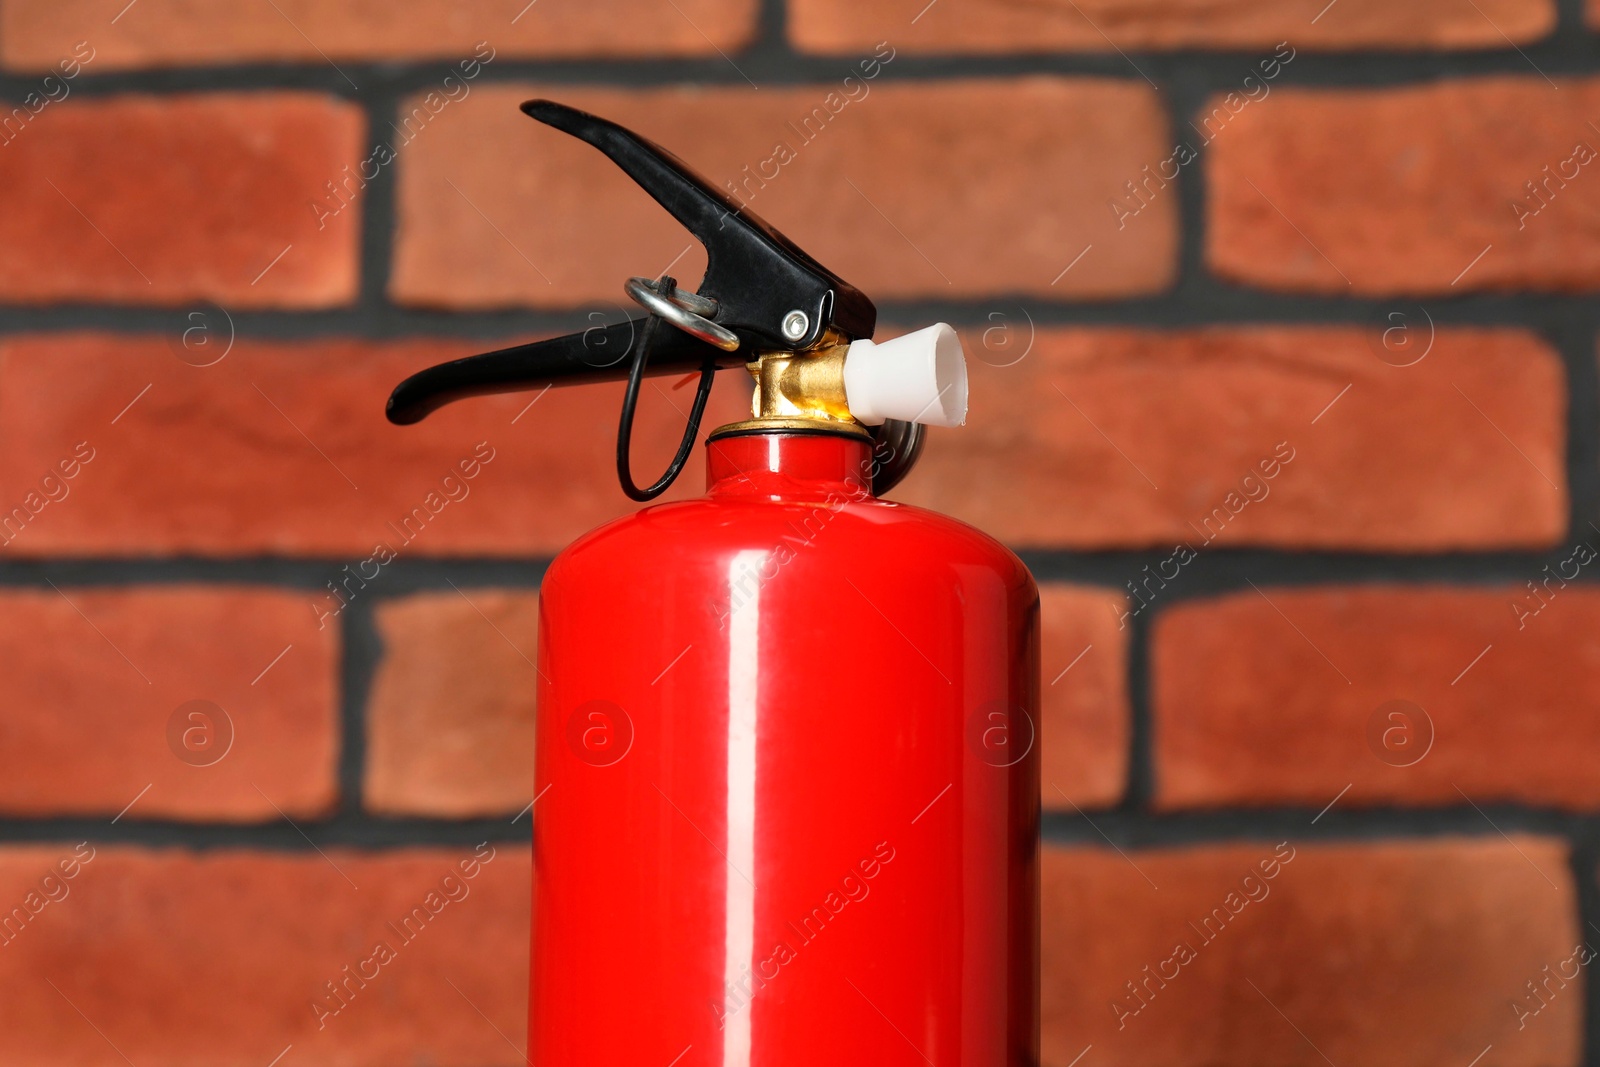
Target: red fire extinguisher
[[786, 784]]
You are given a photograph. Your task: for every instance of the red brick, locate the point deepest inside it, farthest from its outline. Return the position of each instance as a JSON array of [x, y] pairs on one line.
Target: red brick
[[160, 200], [217, 957], [1592, 14], [172, 33], [996, 26], [1390, 955], [95, 676], [1197, 411], [1084, 733], [950, 189], [1248, 710], [251, 456], [1401, 190], [450, 723]]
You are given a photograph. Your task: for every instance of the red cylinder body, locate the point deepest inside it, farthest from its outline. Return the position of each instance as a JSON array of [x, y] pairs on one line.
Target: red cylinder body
[[787, 780]]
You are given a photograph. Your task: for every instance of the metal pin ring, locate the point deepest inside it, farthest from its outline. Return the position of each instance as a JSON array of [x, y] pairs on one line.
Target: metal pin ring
[[686, 311]]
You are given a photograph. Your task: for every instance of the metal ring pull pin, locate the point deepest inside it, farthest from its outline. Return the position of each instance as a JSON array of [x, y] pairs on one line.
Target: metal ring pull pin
[[687, 311]]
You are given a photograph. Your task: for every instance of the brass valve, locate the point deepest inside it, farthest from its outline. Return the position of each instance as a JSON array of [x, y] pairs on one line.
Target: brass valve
[[801, 390]]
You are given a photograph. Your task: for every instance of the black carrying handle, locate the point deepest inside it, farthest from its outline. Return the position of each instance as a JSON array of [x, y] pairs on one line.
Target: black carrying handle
[[598, 354], [756, 274]]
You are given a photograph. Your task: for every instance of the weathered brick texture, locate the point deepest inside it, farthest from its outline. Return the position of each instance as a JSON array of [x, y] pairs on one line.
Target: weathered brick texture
[[100, 712], [172, 33], [931, 189], [282, 448], [1402, 190], [226, 956], [1391, 953], [451, 717], [1084, 663], [1124, 438], [160, 200], [1407, 694], [997, 26]]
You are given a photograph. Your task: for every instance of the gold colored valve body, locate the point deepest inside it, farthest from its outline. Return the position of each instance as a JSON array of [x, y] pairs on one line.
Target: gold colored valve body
[[800, 391]]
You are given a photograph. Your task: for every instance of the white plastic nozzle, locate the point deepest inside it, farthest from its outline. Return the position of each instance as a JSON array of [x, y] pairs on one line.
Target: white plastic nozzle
[[920, 377]]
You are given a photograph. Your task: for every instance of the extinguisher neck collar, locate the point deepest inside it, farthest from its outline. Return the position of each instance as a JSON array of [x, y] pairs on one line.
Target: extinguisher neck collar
[[789, 465]]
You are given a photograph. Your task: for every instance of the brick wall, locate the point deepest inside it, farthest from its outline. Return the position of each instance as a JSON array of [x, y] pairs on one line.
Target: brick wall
[[1283, 339]]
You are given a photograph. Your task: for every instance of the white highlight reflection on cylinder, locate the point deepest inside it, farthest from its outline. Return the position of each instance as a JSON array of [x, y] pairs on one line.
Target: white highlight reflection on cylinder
[[744, 632]]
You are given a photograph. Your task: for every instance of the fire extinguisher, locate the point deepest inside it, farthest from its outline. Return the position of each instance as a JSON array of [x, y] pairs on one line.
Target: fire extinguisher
[[787, 786]]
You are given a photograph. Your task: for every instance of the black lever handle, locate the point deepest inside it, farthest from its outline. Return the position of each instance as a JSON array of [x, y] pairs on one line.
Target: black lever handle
[[757, 276], [599, 354]]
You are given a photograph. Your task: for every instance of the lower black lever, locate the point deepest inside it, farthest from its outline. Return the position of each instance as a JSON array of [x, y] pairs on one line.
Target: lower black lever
[[598, 354]]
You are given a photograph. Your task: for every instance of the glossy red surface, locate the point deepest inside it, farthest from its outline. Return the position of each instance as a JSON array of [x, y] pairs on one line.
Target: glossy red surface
[[787, 782]]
